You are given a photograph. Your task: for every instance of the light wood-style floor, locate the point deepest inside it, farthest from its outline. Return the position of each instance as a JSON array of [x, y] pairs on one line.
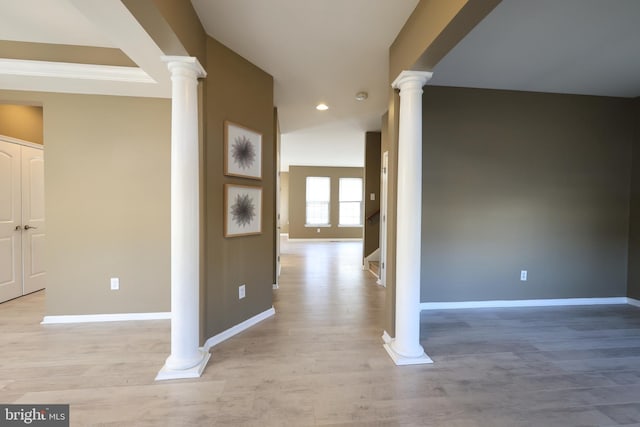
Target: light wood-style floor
[[320, 361]]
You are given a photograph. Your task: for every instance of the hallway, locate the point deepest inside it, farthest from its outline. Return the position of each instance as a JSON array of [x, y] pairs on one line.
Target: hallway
[[320, 361]]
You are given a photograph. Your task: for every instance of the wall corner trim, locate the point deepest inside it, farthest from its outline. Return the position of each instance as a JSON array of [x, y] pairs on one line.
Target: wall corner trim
[[386, 338], [117, 317], [524, 303], [240, 327], [633, 301]]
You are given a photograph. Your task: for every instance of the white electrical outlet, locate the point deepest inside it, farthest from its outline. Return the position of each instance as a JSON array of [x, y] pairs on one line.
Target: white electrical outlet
[[523, 275], [372, 196], [241, 291], [115, 283], [317, 230]]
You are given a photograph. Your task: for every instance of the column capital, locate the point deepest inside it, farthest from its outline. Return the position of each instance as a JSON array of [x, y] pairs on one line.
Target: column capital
[[190, 63], [411, 78]]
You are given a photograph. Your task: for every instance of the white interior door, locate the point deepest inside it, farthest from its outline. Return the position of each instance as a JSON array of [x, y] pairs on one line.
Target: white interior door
[[10, 222], [384, 183], [33, 224]]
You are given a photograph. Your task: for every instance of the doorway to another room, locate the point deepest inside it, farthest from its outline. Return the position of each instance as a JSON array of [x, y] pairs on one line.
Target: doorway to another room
[[22, 224]]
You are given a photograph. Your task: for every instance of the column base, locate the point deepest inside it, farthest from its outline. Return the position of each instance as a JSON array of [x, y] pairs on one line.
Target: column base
[[176, 374], [401, 360]]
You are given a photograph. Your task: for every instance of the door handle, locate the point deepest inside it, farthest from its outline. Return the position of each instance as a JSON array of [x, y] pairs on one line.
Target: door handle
[[17, 228], [28, 227]]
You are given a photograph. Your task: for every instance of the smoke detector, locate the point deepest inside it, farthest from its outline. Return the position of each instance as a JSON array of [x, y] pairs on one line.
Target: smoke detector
[[361, 96]]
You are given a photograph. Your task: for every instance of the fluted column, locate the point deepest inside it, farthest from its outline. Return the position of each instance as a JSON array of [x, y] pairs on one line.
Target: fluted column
[[405, 348], [187, 359]]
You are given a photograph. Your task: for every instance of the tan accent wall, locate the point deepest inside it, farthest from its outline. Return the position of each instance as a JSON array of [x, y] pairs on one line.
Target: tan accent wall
[[284, 202], [64, 53], [297, 203], [238, 91], [107, 202], [184, 22], [371, 186], [22, 122]]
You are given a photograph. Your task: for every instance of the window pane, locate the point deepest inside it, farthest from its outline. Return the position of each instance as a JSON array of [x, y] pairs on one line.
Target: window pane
[[318, 188], [318, 195], [317, 213], [350, 213], [350, 201], [350, 189]]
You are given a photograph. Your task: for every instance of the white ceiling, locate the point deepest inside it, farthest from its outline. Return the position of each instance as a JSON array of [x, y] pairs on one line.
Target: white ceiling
[[317, 51], [48, 21], [589, 47]]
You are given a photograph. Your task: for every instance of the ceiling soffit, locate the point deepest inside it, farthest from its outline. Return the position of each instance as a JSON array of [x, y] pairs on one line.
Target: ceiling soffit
[[78, 46]]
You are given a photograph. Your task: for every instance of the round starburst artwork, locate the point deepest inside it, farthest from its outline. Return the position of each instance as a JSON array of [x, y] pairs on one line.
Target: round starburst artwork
[[243, 211], [243, 152]]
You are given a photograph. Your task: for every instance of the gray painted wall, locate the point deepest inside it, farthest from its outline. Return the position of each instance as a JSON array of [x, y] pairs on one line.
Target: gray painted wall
[[633, 283], [516, 180]]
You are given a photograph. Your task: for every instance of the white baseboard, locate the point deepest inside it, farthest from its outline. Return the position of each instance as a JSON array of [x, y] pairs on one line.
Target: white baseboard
[[275, 286], [240, 327], [386, 338], [117, 317], [522, 303], [633, 301]]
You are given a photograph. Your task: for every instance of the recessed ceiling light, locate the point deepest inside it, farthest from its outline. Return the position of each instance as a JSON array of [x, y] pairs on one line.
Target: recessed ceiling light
[[322, 107], [361, 96]]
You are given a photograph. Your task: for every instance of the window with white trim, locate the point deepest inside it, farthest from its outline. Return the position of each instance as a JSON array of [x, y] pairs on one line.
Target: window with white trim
[[350, 202], [318, 199]]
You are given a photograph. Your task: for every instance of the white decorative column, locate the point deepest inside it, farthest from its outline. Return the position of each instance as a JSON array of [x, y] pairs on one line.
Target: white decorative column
[[405, 348], [187, 359]]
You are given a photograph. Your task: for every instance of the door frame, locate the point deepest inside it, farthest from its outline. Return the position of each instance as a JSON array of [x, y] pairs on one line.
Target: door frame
[[384, 204], [12, 140]]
